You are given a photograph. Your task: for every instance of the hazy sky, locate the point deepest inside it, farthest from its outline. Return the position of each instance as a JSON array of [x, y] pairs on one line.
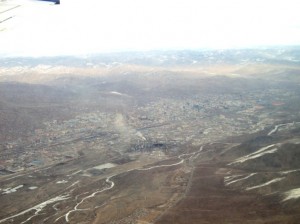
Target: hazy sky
[[90, 26]]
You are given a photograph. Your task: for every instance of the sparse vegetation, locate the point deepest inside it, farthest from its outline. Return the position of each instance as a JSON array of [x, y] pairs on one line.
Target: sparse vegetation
[[171, 125]]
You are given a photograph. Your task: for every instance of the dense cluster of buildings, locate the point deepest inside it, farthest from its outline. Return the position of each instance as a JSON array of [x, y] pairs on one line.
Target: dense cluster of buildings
[[163, 124]]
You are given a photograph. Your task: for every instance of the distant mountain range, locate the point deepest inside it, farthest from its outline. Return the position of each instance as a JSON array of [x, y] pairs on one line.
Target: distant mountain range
[[287, 55]]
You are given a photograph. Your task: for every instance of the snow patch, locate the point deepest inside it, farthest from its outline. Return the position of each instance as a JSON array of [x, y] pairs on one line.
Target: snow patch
[[76, 172], [12, 190], [275, 129], [256, 154], [77, 182], [116, 93], [33, 188], [265, 184], [38, 208], [62, 182], [292, 194], [229, 181], [228, 178], [104, 166], [289, 171]]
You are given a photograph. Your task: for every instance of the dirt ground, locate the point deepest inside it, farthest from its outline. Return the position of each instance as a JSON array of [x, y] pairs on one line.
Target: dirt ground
[[209, 201]]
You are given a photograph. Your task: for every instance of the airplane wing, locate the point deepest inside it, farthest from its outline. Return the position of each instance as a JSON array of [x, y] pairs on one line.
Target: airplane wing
[[9, 9]]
